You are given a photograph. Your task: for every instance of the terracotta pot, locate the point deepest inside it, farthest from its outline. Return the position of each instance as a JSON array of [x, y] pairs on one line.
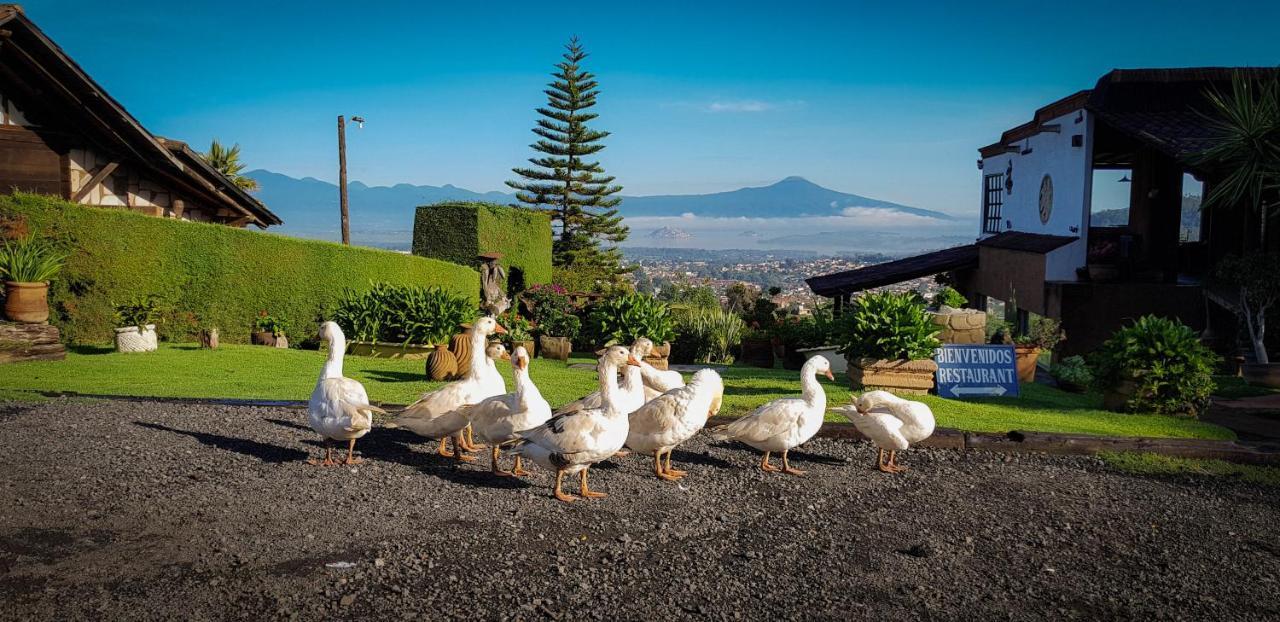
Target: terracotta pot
[[1262, 374], [557, 348], [461, 349], [26, 302], [757, 353], [262, 338], [901, 376], [441, 364], [1026, 362]]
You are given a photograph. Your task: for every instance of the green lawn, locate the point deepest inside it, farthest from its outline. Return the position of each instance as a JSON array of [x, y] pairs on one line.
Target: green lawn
[[1156, 464], [183, 370]]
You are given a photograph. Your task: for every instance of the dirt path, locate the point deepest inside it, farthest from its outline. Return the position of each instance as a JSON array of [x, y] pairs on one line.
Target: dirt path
[[158, 511]]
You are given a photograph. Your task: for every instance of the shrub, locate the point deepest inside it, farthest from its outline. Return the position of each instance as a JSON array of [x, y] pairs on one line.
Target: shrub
[[812, 331], [459, 231], [559, 324], [622, 319], [1072, 370], [690, 295], [268, 323], [518, 328], [707, 335], [222, 274], [403, 314], [887, 325], [138, 312], [1045, 333], [30, 259], [948, 296], [1171, 370]]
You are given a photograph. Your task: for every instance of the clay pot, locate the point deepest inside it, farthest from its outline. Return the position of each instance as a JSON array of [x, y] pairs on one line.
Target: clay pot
[[262, 338], [557, 348], [26, 302], [461, 349], [441, 363], [1026, 362]]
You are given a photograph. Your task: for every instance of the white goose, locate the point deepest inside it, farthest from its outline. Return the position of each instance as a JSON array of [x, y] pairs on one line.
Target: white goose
[[339, 408], [631, 392], [911, 423], [500, 419], [656, 381], [571, 442], [673, 418], [783, 423], [435, 414]]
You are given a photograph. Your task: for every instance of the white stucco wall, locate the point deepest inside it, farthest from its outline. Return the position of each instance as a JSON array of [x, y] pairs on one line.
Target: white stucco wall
[[1071, 171]]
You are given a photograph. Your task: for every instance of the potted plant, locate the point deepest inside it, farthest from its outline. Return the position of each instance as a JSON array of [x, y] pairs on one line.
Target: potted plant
[[622, 319], [1155, 365], [1045, 333], [1254, 281], [1072, 373], [402, 321], [519, 331], [556, 332], [135, 325], [889, 341], [26, 266], [268, 331]]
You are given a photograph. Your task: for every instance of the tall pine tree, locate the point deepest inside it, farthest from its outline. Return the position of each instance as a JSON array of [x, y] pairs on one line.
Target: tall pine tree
[[563, 182]]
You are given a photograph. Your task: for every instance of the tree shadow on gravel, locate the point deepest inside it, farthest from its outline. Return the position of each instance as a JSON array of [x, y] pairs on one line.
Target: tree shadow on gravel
[[265, 452]]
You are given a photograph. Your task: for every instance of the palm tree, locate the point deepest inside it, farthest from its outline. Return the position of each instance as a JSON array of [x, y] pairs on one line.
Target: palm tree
[[1245, 127], [227, 161]]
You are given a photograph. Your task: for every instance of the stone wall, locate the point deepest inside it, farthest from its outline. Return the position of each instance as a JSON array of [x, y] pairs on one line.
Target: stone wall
[[960, 325]]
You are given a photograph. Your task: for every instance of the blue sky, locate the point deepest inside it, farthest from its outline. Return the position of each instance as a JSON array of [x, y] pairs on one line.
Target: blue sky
[[888, 100]]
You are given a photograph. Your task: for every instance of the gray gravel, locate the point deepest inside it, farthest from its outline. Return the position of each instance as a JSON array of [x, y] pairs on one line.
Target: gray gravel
[[120, 510]]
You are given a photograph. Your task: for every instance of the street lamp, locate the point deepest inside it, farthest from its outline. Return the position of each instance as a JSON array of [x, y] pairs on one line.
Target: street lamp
[[342, 174]]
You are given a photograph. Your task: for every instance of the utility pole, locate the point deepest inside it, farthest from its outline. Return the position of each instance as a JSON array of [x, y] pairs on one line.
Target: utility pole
[[342, 180]]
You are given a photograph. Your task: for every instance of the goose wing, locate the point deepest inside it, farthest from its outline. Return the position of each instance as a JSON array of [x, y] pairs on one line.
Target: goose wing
[[566, 433], [769, 420], [883, 429]]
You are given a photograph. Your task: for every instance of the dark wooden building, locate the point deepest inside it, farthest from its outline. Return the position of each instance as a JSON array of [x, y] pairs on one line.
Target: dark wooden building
[[62, 134]]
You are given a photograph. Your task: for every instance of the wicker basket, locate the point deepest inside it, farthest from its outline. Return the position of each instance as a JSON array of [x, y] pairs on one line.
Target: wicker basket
[[130, 339]]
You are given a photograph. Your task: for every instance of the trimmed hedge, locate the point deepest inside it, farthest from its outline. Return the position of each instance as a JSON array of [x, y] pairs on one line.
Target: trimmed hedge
[[460, 231], [221, 275]]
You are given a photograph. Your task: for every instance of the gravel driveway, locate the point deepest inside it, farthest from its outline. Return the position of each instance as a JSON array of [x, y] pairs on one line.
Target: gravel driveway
[[134, 510]]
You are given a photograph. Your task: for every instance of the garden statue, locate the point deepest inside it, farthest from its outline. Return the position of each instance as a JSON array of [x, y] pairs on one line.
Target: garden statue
[[493, 300]]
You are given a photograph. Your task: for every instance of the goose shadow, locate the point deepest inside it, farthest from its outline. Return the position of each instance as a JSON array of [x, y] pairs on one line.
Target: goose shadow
[[793, 455], [265, 452], [405, 448], [289, 424], [699, 458]]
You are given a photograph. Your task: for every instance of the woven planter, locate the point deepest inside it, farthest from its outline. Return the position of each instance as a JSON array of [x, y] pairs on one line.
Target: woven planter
[[902, 376], [557, 348], [131, 339], [659, 356], [379, 349], [26, 302], [441, 364]]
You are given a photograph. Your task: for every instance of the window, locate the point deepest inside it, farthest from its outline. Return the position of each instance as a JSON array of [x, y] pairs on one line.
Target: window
[[992, 200]]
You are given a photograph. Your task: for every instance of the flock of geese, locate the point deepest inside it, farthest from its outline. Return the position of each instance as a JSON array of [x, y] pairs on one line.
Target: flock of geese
[[648, 411]]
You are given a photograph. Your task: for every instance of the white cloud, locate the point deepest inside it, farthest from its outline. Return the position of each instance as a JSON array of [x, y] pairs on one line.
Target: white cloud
[[688, 216], [749, 105]]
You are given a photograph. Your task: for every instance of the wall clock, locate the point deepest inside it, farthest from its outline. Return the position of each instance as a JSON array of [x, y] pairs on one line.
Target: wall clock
[[1046, 198]]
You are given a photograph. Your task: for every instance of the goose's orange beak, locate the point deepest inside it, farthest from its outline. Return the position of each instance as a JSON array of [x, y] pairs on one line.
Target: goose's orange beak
[[830, 376], [499, 330], [631, 360]]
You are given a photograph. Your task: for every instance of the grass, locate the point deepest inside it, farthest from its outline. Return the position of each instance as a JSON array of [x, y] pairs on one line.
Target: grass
[[1156, 464], [1234, 388], [255, 372]]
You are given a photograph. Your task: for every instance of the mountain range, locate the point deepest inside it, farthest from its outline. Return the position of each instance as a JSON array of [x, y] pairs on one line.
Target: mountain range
[[383, 215]]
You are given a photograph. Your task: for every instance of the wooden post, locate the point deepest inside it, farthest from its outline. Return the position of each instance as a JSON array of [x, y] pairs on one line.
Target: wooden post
[[342, 179]]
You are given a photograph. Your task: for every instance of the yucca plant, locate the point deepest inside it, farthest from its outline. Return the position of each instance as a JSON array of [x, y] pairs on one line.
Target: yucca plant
[[887, 325], [708, 335], [30, 259]]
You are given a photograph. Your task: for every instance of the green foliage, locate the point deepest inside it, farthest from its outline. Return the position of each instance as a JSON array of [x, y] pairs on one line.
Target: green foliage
[[221, 274], [950, 297], [1172, 370], [553, 311], [30, 259], [267, 323], [707, 335], [139, 311], [818, 329], [584, 277], [560, 324], [1045, 333], [887, 325], [1156, 464], [1072, 370], [227, 161], [564, 182], [403, 314], [690, 295], [518, 328], [622, 319], [1255, 278], [459, 231]]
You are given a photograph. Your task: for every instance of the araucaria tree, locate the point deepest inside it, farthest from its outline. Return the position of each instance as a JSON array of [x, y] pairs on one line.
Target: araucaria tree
[[566, 182]]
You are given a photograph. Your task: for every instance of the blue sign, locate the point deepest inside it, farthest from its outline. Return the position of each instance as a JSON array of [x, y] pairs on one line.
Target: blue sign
[[966, 370]]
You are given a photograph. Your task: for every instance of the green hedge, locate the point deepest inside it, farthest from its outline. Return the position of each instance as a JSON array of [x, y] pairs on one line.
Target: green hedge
[[221, 275], [459, 231]]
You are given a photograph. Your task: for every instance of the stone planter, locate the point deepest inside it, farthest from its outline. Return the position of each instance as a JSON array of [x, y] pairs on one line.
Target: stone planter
[[757, 353], [208, 338], [902, 376], [838, 363], [131, 339], [441, 364], [556, 348], [960, 326], [262, 338], [26, 302], [1262, 374], [1026, 357], [380, 349], [528, 346]]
